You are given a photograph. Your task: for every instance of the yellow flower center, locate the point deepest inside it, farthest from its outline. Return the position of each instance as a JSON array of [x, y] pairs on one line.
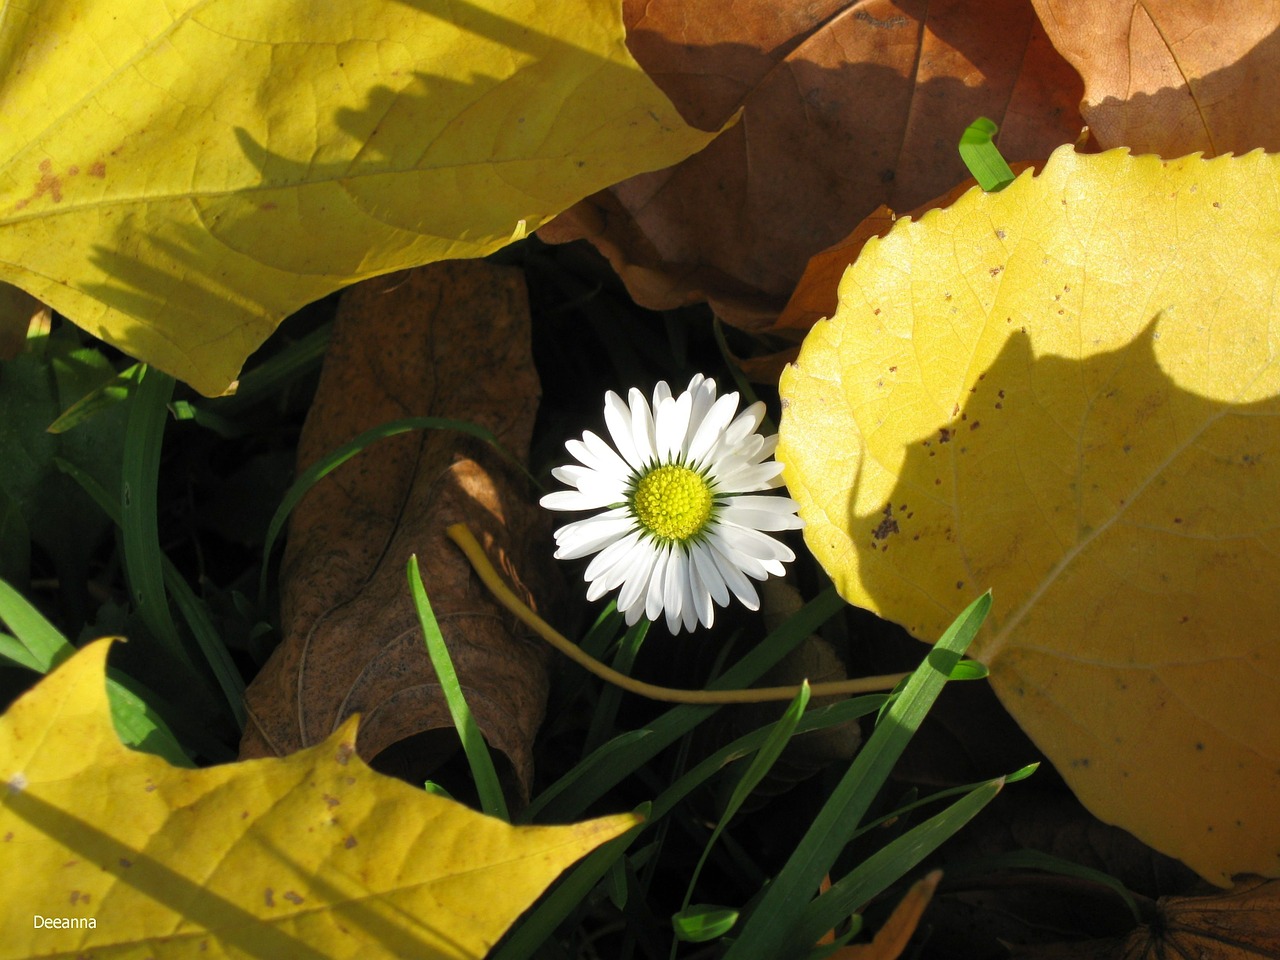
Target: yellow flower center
[[672, 502]]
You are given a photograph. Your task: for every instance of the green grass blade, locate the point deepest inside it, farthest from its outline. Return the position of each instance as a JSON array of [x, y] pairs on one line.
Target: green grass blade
[[579, 771], [702, 922], [595, 642], [213, 422], [969, 670], [678, 721], [548, 915], [688, 924], [982, 156], [41, 645], [331, 461], [116, 390], [15, 540], [771, 930], [17, 654], [266, 380], [432, 787], [1048, 863], [605, 714], [196, 614], [139, 526], [768, 753], [492, 800], [138, 725], [189, 605], [1020, 774], [889, 864]]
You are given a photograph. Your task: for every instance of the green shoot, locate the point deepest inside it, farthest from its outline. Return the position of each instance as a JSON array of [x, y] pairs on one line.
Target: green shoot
[[492, 800], [982, 156]]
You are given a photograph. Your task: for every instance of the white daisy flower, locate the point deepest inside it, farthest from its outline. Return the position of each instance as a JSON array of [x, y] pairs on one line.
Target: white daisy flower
[[679, 529]]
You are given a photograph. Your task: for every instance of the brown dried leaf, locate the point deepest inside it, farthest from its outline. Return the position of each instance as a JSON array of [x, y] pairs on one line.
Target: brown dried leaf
[[846, 106], [450, 340], [998, 905], [891, 939], [18, 311], [1173, 76], [1242, 923]]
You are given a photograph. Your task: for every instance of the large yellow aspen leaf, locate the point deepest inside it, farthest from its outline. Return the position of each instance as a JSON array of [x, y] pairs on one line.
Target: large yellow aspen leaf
[[180, 174], [1067, 392], [310, 856]]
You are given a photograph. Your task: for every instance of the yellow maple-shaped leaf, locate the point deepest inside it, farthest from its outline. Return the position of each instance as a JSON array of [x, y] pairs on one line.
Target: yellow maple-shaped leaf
[[181, 174], [1067, 392], [310, 856]]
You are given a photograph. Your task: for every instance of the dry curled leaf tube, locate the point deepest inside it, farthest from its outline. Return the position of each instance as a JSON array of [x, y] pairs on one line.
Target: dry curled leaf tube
[[460, 534]]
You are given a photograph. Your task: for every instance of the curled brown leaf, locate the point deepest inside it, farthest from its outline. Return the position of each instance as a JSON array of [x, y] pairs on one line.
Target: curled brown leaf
[[449, 340]]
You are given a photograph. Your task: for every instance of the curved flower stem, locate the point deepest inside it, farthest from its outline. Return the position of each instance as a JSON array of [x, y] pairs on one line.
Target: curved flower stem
[[462, 536]]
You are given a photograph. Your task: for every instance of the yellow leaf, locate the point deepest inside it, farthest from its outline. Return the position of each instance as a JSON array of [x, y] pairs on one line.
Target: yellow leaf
[[314, 855], [1067, 392], [181, 175]]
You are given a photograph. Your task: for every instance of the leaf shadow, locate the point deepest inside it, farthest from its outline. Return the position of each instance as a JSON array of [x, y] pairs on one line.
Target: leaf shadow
[[1128, 528], [1048, 441], [1228, 110], [214, 268]]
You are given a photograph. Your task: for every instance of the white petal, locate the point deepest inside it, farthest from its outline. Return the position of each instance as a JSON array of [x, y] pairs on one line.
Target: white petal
[[734, 578], [631, 563], [642, 427], [753, 543], [744, 478], [585, 537], [698, 607], [593, 484], [751, 450], [636, 585], [743, 562], [745, 424], [609, 565], [703, 394], [671, 423], [758, 560], [633, 614], [677, 601], [712, 425], [618, 419], [660, 392], [710, 576], [576, 500], [634, 581], [594, 452], [656, 598], [762, 513], [571, 474]]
